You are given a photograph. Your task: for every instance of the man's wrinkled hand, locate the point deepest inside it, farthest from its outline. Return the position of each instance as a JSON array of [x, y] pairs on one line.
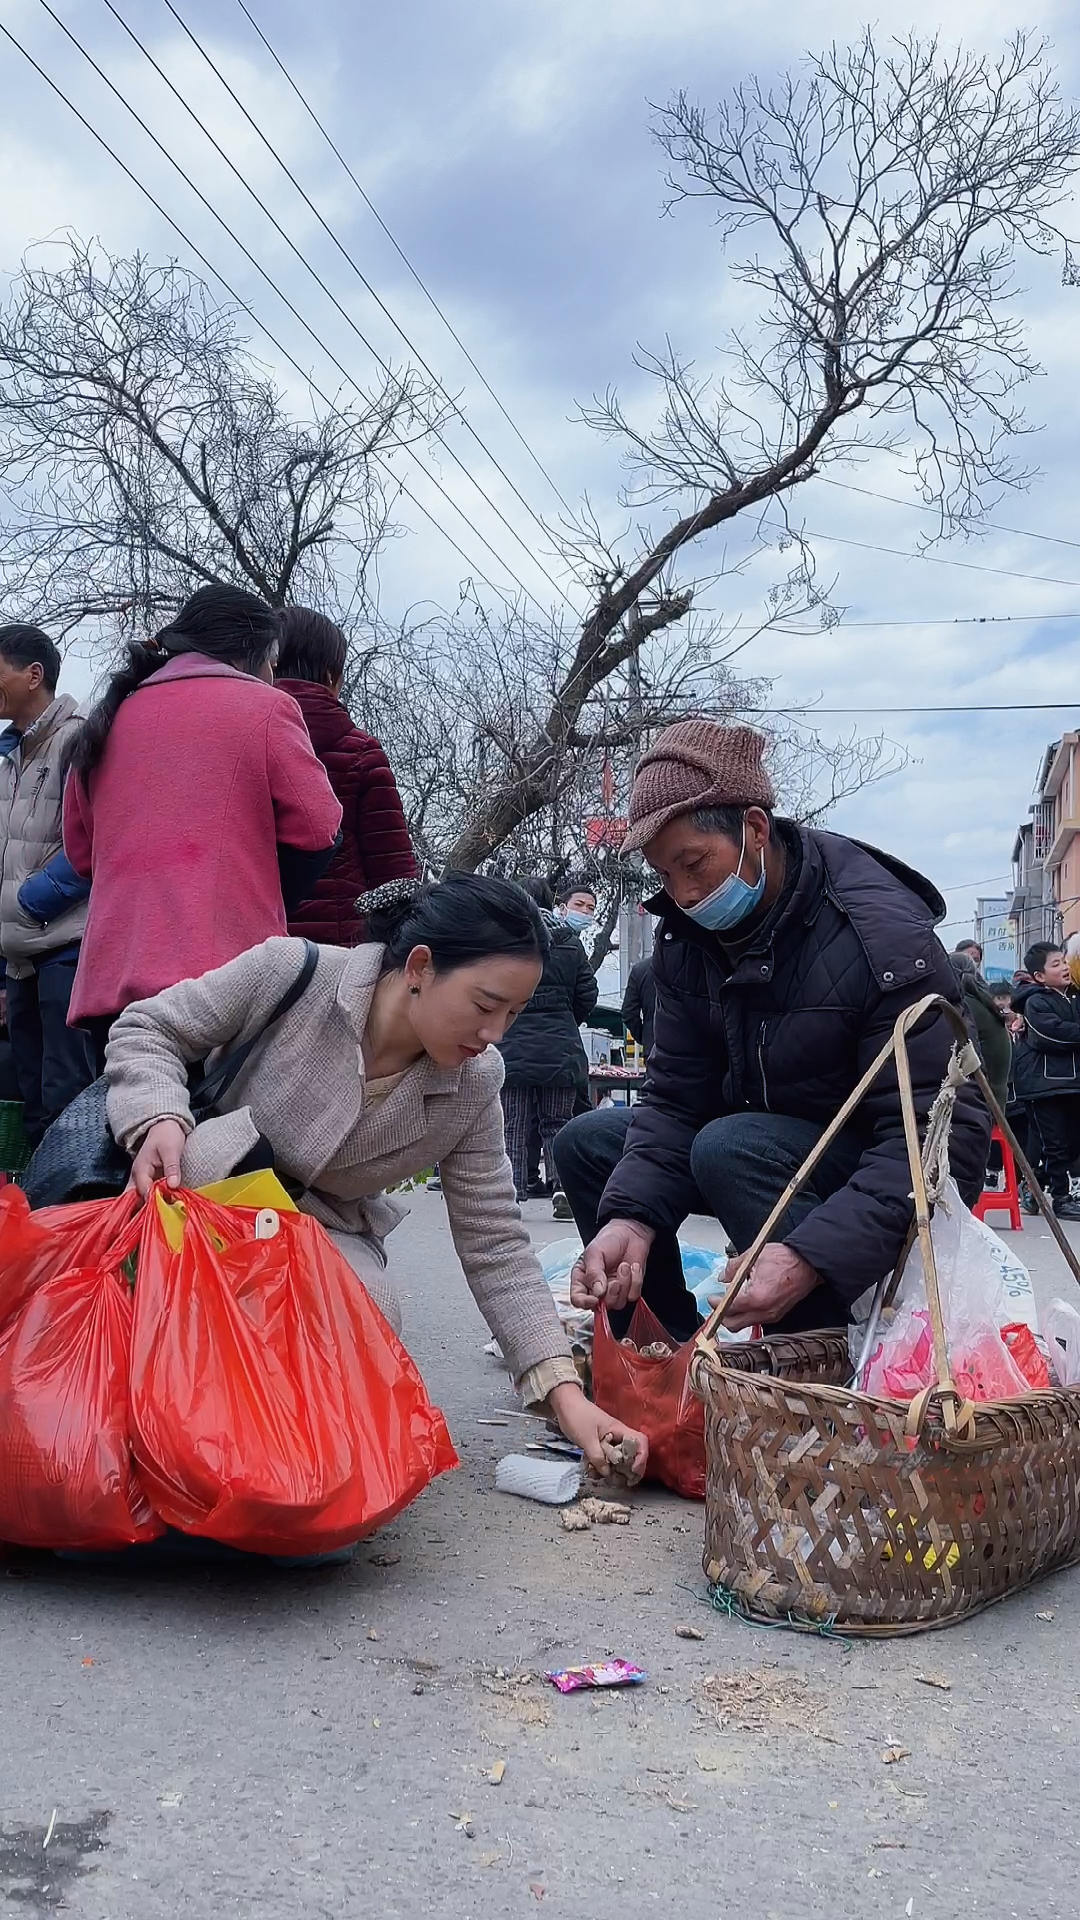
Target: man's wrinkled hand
[[612, 1267], [781, 1278]]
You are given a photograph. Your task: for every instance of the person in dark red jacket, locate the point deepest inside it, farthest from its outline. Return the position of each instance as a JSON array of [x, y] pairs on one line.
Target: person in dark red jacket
[[375, 844]]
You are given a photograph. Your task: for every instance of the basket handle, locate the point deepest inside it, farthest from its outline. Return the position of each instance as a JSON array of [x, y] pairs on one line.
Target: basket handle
[[956, 1410]]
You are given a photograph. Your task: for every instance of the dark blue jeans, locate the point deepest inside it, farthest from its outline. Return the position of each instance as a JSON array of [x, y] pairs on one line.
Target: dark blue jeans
[[53, 1062], [741, 1164]]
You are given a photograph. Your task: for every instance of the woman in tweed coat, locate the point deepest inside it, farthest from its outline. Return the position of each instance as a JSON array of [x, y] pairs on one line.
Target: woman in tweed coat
[[386, 1064]]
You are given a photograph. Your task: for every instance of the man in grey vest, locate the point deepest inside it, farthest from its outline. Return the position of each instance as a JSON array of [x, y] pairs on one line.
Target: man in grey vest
[[42, 900]]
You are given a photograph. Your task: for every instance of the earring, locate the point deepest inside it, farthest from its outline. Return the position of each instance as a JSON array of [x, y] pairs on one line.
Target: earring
[[414, 991]]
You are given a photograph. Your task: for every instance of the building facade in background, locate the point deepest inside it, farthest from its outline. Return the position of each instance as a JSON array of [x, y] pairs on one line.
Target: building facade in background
[[1045, 902]]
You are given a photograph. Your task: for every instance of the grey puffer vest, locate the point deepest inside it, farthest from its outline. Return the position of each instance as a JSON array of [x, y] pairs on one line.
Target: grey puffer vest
[[31, 832]]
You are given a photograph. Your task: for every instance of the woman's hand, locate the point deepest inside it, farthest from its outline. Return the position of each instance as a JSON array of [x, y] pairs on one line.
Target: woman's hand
[[612, 1266], [159, 1157], [588, 1427]]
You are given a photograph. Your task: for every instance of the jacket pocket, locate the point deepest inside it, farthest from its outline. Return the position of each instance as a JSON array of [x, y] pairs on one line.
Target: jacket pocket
[[1059, 1068]]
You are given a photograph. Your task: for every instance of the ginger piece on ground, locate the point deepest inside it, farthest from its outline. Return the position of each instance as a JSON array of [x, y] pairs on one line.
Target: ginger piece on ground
[[606, 1513]]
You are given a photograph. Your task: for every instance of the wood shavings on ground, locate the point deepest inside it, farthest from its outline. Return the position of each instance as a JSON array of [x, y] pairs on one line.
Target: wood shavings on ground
[[758, 1702]]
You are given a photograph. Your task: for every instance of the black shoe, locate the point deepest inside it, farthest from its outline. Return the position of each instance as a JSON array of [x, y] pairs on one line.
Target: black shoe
[[1067, 1209], [1028, 1202], [562, 1210], [539, 1190]]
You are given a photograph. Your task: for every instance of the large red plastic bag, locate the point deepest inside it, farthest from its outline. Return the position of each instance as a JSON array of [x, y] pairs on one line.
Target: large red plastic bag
[[66, 1472], [272, 1406], [653, 1394]]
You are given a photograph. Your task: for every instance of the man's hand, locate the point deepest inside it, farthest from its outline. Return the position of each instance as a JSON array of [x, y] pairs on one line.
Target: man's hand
[[588, 1427], [612, 1266], [781, 1278], [159, 1157]]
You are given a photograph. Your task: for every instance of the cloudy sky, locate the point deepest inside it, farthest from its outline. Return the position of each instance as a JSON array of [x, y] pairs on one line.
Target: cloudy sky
[[506, 144]]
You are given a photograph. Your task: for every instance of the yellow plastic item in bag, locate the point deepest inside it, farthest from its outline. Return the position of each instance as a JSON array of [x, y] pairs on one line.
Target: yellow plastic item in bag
[[255, 1191]]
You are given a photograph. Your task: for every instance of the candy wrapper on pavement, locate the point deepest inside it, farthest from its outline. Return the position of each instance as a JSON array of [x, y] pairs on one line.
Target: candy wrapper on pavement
[[603, 1673]]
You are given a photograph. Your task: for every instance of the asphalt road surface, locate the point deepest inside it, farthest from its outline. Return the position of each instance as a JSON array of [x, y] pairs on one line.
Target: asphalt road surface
[[210, 1743]]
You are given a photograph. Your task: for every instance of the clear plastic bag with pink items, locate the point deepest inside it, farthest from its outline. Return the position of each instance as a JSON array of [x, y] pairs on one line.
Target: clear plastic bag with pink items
[[981, 1298]]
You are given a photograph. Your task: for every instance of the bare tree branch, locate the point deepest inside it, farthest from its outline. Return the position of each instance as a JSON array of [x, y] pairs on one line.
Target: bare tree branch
[[145, 452]]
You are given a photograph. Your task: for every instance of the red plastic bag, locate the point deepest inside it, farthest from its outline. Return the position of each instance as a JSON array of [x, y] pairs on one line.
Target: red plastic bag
[[272, 1406], [653, 1394], [66, 1472]]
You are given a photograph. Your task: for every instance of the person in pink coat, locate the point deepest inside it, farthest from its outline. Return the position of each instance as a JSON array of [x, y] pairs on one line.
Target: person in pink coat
[[196, 806]]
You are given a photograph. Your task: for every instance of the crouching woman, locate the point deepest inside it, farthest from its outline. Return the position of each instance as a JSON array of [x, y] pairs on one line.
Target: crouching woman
[[385, 1065]]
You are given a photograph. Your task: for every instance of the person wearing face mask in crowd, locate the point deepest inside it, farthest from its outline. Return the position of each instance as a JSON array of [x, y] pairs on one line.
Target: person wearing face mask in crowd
[[782, 959], [576, 904]]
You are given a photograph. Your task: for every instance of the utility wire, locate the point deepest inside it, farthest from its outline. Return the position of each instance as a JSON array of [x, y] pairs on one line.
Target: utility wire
[[948, 620], [920, 506], [932, 559], [222, 222], [348, 257], [1019, 706], [234, 295], [402, 255]]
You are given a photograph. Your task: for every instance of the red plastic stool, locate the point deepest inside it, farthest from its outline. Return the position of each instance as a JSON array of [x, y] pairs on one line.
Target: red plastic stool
[[1002, 1199]]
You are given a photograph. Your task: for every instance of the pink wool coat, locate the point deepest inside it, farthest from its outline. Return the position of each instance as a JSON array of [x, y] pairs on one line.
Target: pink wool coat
[[205, 771]]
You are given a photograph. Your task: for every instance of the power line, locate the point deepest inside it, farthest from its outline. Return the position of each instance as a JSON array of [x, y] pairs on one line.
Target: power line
[[403, 256], [222, 222], [920, 506], [947, 620], [931, 559], [233, 295], [1019, 706], [347, 256]]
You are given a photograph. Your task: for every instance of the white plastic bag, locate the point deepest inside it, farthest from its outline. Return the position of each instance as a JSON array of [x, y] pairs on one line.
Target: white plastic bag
[[1061, 1331], [983, 1288]]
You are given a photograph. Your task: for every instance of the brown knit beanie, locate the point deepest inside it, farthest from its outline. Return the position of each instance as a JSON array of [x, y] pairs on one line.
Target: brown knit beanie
[[696, 763]]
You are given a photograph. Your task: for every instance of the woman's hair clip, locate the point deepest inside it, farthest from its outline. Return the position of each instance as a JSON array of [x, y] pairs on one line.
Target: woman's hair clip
[[392, 893]]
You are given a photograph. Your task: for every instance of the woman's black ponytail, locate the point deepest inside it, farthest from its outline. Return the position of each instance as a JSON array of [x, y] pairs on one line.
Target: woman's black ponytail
[[221, 622]]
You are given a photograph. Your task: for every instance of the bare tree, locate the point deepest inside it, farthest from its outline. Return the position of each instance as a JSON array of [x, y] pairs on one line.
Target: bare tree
[[145, 453], [887, 191], [457, 704]]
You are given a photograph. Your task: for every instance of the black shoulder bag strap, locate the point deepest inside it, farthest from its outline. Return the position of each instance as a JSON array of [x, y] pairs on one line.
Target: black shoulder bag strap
[[210, 1087]]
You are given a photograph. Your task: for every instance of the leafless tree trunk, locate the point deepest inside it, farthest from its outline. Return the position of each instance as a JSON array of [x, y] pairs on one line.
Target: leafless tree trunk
[[145, 452]]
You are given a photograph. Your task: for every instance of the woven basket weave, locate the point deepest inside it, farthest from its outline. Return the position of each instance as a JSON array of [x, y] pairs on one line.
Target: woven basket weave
[[879, 1516], [14, 1145]]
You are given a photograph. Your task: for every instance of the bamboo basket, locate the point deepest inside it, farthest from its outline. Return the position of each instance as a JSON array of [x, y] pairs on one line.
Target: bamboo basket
[[880, 1516]]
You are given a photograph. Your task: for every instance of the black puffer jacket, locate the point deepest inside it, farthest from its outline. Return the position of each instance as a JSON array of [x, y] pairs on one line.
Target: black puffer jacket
[[1046, 1058], [791, 1030], [543, 1047]]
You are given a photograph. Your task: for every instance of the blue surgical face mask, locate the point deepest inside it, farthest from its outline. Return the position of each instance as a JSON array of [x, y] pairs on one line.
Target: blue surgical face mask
[[581, 922], [732, 901]]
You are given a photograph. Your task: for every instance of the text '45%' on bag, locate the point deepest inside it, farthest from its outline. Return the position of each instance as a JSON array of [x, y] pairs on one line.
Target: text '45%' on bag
[[272, 1406]]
